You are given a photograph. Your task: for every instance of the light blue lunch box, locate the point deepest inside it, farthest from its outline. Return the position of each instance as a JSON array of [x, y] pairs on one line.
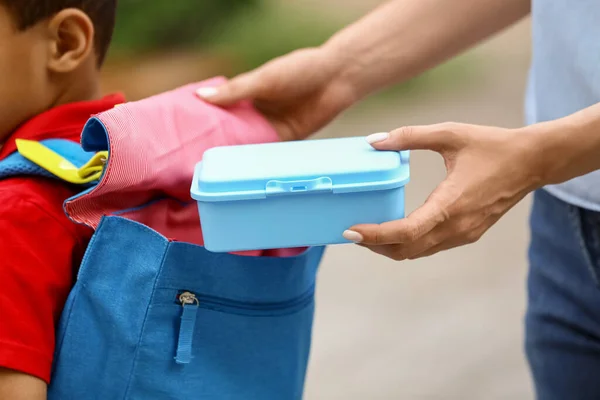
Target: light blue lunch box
[[296, 194]]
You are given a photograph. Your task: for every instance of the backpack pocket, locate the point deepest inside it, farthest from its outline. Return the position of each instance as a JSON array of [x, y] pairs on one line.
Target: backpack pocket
[[190, 303], [208, 347]]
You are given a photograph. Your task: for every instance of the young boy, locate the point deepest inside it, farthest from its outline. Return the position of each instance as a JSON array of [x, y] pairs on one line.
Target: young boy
[[50, 56]]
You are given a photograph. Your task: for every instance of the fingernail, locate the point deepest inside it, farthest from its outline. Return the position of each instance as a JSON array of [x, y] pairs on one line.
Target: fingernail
[[378, 137], [206, 92], [353, 236]]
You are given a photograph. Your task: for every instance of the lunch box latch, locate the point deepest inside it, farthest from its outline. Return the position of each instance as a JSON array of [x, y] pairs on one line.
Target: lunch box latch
[[283, 188]]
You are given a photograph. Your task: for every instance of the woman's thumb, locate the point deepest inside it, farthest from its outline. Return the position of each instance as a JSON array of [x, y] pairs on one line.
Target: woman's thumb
[[242, 87], [411, 138]]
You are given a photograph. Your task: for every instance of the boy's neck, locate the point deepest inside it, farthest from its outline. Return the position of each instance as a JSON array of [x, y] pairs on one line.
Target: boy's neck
[[84, 90], [75, 93]]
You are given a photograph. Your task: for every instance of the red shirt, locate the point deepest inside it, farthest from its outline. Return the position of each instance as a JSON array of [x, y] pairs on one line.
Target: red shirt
[[40, 248]]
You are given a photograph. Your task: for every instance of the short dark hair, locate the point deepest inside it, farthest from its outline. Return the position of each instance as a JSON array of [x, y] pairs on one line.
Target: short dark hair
[[102, 13]]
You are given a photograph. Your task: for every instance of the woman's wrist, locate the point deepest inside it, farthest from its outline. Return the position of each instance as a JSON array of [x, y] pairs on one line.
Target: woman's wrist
[[565, 148], [349, 68]]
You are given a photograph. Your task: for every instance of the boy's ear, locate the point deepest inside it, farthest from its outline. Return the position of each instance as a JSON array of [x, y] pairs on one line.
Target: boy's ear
[[71, 34]]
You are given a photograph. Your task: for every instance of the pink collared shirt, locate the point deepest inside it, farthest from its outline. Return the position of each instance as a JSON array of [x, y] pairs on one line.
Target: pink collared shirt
[[154, 145]]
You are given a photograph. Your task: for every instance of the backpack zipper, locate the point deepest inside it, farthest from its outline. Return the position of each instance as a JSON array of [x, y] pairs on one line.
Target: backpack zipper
[[190, 303]]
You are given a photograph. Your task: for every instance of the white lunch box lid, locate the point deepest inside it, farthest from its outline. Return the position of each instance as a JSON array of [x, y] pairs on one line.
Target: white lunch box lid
[[259, 171]]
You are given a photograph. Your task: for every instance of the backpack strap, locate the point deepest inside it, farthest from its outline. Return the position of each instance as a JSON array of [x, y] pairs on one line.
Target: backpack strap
[[54, 158]]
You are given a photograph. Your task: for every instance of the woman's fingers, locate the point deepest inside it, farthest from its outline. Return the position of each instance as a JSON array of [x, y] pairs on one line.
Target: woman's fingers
[[437, 137], [243, 87]]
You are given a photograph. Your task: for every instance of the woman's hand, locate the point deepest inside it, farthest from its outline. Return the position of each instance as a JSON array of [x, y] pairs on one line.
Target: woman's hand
[[303, 91], [298, 93], [489, 171]]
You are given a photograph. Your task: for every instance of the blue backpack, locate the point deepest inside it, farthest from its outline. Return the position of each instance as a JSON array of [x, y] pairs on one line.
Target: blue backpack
[[150, 318]]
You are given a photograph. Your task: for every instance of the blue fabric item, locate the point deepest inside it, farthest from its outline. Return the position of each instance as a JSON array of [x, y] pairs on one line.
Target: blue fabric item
[[186, 334], [120, 329], [563, 317], [565, 77], [125, 332], [94, 136], [17, 165]]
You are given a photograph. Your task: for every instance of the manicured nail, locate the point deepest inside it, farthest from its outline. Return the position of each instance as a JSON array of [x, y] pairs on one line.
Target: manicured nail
[[206, 92], [377, 137], [353, 236]]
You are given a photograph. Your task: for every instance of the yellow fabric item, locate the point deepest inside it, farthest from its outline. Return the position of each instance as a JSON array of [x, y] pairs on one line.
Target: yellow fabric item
[[61, 167]]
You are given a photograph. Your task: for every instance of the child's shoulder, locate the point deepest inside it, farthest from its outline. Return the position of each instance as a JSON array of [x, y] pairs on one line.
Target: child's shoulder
[[28, 198]]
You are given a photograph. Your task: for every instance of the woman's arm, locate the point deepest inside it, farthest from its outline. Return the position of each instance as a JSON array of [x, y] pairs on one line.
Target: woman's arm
[[404, 38], [568, 147], [303, 91]]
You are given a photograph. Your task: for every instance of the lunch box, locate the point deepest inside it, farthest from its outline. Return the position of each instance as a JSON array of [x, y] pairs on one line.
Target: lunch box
[[296, 194]]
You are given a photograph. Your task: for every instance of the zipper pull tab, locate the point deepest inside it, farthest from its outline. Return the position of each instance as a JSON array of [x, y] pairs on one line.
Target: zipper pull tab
[[190, 304]]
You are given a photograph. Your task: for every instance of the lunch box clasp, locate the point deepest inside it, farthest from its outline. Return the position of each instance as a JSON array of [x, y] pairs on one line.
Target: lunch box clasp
[[281, 188]]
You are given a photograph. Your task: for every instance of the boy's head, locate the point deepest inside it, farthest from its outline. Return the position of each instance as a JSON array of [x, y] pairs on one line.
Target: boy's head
[[50, 54]]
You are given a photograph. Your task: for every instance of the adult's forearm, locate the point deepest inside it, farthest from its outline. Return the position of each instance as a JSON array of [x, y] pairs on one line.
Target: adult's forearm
[[568, 147], [403, 38]]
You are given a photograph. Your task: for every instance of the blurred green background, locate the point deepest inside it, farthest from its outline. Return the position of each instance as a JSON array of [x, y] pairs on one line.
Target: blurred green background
[[232, 36], [146, 26]]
